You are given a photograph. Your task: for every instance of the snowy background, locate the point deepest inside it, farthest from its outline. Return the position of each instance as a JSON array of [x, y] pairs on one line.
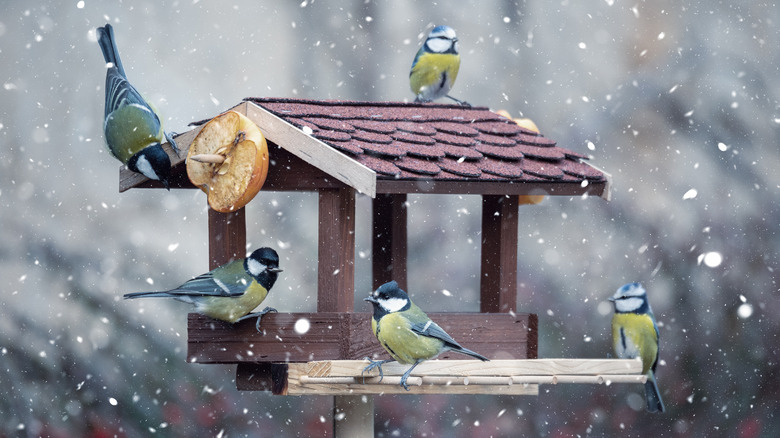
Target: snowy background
[[678, 100]]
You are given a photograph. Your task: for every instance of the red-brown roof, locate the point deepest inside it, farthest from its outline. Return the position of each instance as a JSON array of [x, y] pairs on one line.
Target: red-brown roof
[[431, 141]]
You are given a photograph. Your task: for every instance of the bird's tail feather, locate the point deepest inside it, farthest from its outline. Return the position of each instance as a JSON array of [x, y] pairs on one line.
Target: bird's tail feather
[[158, 294], [653, 395], [108, 46], [473, 354]]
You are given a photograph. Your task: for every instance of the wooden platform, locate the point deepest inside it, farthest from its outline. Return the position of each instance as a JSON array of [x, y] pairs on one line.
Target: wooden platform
[[506, 377]]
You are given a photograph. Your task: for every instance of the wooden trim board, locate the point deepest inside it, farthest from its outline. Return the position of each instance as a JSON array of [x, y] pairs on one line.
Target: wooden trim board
[[347, 335]]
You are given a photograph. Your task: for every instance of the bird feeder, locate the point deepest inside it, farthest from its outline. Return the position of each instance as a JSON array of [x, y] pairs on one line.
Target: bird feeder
[[387, 150]]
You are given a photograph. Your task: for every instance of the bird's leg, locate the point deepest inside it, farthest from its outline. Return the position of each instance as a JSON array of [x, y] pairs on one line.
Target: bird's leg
[[257, 315], [374, 364], [459, 102], [169, 137], [407, 373]]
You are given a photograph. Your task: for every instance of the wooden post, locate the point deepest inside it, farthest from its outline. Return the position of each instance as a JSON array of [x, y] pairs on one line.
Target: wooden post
[[498, 280], [389, 239], [336, 258], [227, 237], [352, 415]]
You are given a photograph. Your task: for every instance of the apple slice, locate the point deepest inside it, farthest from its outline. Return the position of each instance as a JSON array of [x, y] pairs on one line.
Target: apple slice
[[228, 160]]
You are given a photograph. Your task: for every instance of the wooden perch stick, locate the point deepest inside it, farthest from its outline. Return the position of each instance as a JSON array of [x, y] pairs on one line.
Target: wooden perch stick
[[208, 158], [518, 377], [475, 380], [470, 368]]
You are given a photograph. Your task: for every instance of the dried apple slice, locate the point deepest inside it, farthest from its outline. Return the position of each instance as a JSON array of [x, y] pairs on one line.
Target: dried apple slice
[[228, 160]]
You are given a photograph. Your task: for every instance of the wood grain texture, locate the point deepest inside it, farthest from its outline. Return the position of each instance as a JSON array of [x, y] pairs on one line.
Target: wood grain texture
[[345, 335], [498, 285], [336, 250], [312, 151], [471, 368], [227, 237], [389, 240]]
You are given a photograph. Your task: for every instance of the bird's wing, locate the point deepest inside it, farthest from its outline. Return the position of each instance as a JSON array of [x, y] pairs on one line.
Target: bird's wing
[[432, 330], [121, 93], [226, 281], [416, 58]]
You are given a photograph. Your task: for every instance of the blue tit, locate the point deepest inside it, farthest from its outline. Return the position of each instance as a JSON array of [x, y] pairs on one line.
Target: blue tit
[[436, 65], [231, 291], [133, 131], [406, 332], [635, 334]]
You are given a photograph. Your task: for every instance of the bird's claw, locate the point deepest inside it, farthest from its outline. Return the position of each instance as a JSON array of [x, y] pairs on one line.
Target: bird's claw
[[375, 364], [459, 102], [169, 136], [240, 136], [260, 315]]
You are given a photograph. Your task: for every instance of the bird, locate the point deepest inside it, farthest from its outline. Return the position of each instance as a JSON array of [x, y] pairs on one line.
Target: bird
[[132, 128], [635, 334], [436, 66], [406, 332], [231, 291]]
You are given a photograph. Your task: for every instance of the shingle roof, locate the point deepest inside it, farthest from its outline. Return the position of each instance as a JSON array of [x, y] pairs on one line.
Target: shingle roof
[[397, 147], [431, 141]]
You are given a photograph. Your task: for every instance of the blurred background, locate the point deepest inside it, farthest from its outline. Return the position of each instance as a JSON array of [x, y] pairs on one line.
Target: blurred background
[[673, 98]]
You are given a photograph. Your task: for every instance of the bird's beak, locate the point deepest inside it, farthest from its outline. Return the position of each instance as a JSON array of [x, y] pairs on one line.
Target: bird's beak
[[274, 269], [613, 299], [370, 299]]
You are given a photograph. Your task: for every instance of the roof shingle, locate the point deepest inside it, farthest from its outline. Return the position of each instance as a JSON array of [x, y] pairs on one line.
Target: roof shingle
[[424, 141]]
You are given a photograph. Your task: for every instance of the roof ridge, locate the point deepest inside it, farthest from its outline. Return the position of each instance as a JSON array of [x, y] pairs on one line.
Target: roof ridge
[[359, 103]]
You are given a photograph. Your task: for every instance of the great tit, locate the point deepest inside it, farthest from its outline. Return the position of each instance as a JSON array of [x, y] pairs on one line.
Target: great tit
[[133, 131], [406, 332], [635, 334], [436, 65], [231, 291]]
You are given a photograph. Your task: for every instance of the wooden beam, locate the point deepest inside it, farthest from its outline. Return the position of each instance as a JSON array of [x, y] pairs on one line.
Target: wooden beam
[[336, 253], [312, 150], [353, 416], [389, 240], [498, 280], [461, 187], [227, 237], [289, 173], [346, 335]]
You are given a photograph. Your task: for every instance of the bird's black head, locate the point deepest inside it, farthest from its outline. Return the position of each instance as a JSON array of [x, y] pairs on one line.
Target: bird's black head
[[153, 163], [263, 265], [388, 298]]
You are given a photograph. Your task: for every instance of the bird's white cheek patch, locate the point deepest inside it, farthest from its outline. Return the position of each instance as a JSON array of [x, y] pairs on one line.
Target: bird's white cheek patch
[[143, 166], [628, 304], [438, 45], [255, 268], [393, 304]]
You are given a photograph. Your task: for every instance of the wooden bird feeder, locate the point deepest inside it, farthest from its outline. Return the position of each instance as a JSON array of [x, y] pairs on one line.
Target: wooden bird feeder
[[387, 150]]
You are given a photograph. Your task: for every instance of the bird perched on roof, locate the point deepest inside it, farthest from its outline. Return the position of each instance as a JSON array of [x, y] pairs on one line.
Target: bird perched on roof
[[635, 334], [436, 65], [231, 291], [406, 332], [132, 128]]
